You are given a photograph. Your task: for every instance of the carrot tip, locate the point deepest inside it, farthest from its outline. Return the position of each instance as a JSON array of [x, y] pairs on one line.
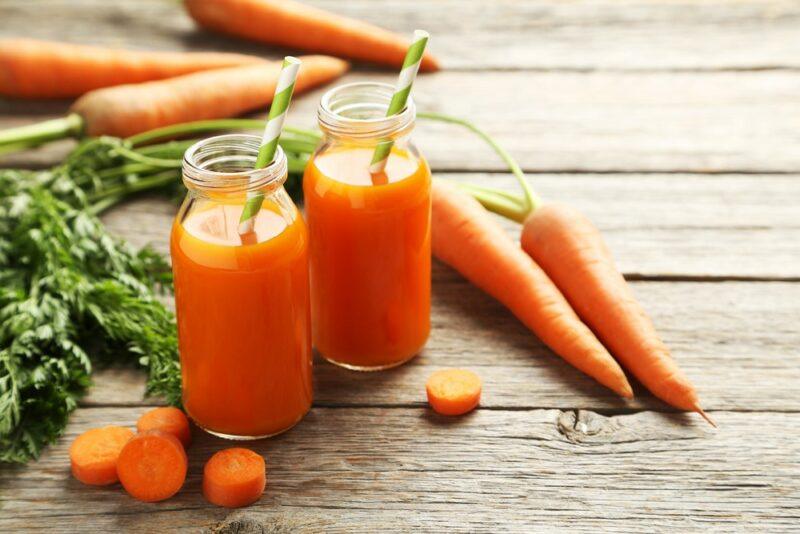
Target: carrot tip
[[705, 416]]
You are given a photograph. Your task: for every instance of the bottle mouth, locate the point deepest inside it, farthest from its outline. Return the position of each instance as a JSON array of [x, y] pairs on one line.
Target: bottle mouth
[[225, 163], [358, 110]]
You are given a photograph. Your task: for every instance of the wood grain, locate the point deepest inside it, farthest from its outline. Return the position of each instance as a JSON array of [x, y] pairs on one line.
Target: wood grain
[[510, 470], [477, 35]]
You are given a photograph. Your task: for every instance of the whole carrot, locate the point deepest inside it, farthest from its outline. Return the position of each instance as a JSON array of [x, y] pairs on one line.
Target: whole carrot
[[129, 109], [574, 255], [294, 25], [44, 69], [126, 110], [465, 236]]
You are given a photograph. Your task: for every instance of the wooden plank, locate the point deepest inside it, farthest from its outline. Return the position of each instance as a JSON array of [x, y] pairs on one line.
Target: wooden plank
[[577, 122], [369, 470], [656, 225], [735, 340], [477, 35]]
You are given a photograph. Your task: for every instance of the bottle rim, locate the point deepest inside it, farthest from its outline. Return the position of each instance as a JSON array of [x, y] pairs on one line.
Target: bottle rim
[[358, 111], [224, 163]]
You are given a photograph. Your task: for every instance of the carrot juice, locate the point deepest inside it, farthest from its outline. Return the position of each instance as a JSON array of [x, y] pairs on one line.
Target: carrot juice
[[370, 251], [242, 305]]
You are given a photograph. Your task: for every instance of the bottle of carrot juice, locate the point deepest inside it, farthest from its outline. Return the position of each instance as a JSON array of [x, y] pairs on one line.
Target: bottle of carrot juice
[[242, 302], [370, 252]]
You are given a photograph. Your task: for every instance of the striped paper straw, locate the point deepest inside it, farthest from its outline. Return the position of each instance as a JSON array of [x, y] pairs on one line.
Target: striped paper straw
[[269, 144], [400, 96]]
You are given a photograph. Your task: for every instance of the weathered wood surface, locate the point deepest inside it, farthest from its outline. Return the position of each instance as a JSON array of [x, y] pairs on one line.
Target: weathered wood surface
[[493, 470], [639, 91]]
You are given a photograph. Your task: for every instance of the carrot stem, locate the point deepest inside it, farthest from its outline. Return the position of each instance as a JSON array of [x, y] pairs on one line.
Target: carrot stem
[[156, 180], [147, 160], [36, 134], [497, 201], [99, 207], [531, 199], [170, 148], [196, 127]]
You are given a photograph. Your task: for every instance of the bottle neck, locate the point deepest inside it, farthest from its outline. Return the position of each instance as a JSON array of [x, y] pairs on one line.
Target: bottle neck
[[356, 114], [223, 167]]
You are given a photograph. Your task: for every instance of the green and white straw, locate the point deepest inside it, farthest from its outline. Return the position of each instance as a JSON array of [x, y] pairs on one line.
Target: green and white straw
[[269, 143], [400, 96]]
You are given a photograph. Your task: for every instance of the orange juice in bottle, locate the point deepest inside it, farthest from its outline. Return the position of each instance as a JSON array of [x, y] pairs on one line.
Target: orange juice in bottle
[[370, 250], [243, 309]]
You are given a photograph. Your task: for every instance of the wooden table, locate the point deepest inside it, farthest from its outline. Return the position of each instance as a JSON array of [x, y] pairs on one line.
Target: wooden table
[[675, 126]]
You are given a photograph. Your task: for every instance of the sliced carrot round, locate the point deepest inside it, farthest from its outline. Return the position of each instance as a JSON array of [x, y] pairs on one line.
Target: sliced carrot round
[[167, 419], [453, 391], [93, 455], [152, 466], [234, 477]]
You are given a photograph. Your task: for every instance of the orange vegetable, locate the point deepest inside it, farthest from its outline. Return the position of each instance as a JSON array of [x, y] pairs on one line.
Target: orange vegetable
[[152, 466], [46, 69], [167, 419], [93, 455], [453, 391], [572, 252], [129, 109], [467, 238], [298, 26], [234, 477]]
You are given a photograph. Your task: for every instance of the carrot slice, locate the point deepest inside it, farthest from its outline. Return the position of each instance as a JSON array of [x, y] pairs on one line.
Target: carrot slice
[[152, 466], [93, 455], [167, 419], [234, 477], [453, 391]]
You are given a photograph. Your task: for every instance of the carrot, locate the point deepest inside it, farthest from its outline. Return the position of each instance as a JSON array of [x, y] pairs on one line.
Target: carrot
[[129, 109], [453, 391], [234, 477], [299, 26], [125, 110], [152, 466], [573, 253], [466, 237], [167, 419], [46, 69], [93, 455]]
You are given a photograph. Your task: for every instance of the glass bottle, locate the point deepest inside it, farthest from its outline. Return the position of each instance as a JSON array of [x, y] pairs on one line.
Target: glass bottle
[[242, 302]]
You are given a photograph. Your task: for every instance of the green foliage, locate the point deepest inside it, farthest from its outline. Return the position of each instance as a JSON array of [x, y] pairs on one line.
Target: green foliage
[[70, 295]]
